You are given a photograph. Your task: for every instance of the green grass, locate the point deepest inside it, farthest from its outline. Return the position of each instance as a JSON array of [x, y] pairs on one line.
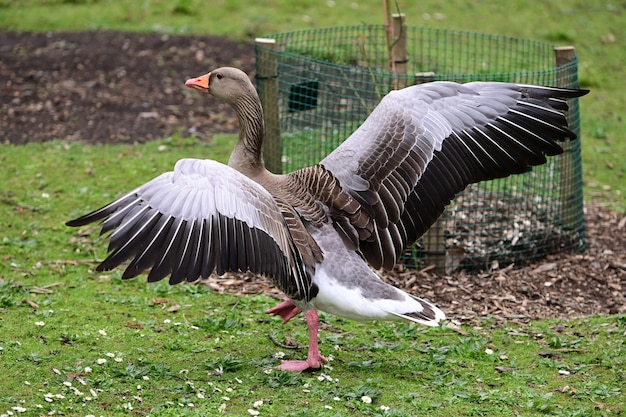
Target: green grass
[[596, 29], [59, 320]]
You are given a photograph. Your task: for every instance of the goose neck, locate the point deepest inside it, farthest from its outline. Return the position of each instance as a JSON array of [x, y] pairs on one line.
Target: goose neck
[[247, 152]]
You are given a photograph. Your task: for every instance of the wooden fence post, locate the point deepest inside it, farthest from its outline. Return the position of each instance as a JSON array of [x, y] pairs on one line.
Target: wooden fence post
[[434, 242], [398, 48], [267, 84], [571, 209]]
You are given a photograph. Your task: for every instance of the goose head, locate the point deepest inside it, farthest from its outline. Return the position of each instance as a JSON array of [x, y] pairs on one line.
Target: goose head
[[233, 86], [228, 84]]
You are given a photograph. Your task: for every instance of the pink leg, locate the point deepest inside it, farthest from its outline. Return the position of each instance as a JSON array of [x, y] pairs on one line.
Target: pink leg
[[287, 310], [314, 359]]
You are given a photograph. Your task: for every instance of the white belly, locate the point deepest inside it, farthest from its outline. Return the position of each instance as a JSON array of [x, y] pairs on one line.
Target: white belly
[[349, 288], [350, 303]]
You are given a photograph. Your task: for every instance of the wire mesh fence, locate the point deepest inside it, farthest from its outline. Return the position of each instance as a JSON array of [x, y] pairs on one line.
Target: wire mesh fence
[[317, 87]]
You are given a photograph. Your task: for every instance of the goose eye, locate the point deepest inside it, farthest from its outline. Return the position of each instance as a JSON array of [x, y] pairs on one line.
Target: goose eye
[[219, 76]]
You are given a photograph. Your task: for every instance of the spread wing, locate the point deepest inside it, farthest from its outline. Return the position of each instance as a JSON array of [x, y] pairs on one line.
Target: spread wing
[[202, 217], [424, 144]]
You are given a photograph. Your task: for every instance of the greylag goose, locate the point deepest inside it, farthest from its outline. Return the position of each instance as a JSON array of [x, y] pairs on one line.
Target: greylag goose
[[314, 231]]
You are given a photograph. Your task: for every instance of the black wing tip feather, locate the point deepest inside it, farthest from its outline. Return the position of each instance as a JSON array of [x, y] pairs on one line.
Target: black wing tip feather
[[216, 244], [88, 218], [552, 92], [103, 212], [76, 222]]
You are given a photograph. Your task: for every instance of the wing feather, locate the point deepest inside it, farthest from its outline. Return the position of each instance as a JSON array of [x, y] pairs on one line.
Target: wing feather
[[425, 143], [149, 253], [202, 217]]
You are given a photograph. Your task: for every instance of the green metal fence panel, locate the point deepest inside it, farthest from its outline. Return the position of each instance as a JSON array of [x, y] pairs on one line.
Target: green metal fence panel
[[325, 82]]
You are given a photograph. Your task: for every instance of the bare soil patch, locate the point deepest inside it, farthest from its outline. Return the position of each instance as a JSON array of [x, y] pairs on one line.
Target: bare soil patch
[[104, 87]]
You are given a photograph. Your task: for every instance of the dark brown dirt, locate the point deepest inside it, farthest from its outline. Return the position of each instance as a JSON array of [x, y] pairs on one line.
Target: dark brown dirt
[[102, 87], [111, 86]]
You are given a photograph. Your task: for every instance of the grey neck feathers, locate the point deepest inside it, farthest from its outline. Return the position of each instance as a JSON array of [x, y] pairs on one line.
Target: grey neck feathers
[[246, 157]]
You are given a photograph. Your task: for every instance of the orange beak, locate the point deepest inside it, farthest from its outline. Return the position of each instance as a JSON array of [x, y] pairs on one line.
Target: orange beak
[[201, 83]]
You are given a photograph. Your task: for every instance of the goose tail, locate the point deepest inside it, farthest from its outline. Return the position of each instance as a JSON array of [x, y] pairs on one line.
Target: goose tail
[[429, 315]]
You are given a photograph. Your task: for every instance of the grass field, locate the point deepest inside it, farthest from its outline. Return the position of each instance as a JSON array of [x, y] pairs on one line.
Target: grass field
[[78, 343]]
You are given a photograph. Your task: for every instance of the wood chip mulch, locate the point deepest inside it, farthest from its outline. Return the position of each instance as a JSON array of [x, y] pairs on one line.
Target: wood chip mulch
[[565, 285]]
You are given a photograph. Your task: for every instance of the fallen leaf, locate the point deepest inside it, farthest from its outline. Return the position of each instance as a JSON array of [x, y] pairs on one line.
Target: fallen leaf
[[543, 268], [173, 308]]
